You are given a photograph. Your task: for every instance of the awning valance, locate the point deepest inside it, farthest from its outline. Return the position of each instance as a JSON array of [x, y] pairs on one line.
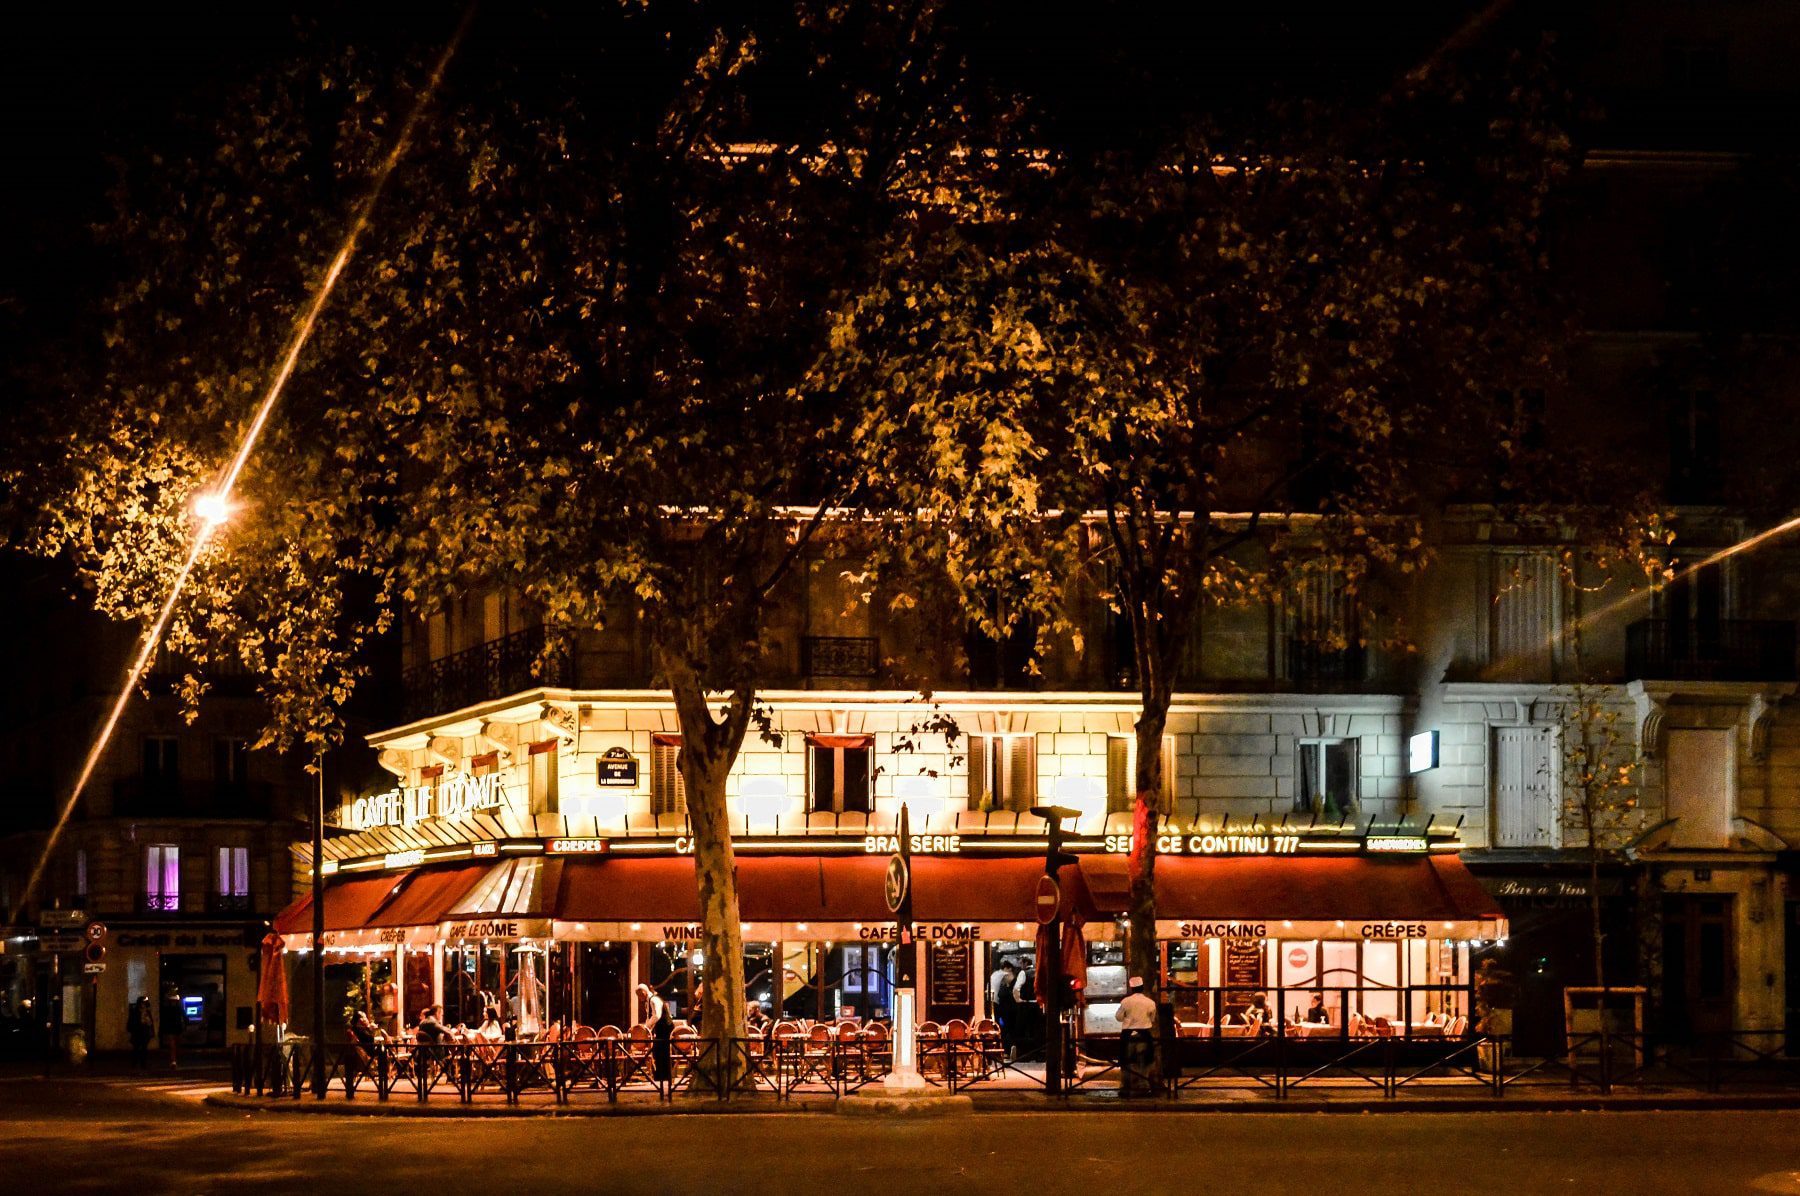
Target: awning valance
[[1427, 896]]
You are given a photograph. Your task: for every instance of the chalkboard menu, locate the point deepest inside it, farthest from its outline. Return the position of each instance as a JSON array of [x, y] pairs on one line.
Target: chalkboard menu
[[950, 978], [1243, 969]]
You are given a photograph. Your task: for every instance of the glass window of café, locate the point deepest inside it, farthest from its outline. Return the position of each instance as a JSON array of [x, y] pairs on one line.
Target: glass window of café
[[1399, 981]]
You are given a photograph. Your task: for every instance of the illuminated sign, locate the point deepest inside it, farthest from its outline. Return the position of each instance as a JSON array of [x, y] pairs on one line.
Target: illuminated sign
[[1422, 752], [917, 844], [455, 798], [1224, 930], [1397, 843], [576, 846], [1250, 844], [403, 859]]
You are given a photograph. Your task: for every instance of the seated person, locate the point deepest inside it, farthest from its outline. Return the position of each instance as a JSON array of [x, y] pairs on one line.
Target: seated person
[[363, 1032], [490, 1029], [1316, 1012], [1258, 1014], [431, 1029], [756, 1019]]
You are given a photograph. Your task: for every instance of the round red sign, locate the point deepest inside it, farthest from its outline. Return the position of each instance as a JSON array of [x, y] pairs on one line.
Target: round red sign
[[1049, 899], [1297, 957]]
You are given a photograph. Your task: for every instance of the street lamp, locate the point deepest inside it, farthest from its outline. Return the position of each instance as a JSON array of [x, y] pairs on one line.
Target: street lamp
[[212, 508]]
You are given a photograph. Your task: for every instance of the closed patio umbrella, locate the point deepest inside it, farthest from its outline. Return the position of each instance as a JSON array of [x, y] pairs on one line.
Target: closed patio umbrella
[[271, 983]]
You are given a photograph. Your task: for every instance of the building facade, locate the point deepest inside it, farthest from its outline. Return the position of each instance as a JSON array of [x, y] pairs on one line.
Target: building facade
[[180, 849]]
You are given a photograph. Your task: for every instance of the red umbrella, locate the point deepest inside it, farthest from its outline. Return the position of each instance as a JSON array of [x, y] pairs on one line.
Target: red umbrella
[[1074, 955], [271, 982], [1041, 976]]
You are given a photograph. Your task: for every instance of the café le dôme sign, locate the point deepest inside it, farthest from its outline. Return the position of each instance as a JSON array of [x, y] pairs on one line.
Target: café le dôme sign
[[454, 797]]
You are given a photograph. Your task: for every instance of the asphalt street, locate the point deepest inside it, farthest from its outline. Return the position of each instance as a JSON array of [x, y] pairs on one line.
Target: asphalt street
[[113, 1136]]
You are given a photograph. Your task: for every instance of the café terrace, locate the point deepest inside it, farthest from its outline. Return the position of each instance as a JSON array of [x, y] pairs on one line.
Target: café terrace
[[472, 901]]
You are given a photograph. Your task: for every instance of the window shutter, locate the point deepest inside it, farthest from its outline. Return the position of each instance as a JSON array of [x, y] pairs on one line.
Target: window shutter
[[1168, 772], [667, 793], [978, 771], [1021, 787], [1119, 779]]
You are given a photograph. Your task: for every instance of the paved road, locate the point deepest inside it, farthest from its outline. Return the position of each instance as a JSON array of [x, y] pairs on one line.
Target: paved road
[[113, 1136]]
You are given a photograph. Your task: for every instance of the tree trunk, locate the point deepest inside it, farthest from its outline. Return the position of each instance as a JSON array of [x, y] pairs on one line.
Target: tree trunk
[[708, 750], [1143, 956]]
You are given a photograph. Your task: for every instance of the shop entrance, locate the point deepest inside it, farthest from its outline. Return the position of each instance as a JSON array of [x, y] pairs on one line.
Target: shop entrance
[[603, 983], [1699, 967], [199, 984]]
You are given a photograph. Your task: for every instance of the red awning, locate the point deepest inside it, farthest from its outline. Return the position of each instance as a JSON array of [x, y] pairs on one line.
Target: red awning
[[812, 889], [1305, 888], [349, 904], [429, 895], [962, 889]]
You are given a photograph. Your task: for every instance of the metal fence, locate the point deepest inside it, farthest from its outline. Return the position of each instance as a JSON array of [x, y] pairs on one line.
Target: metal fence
[[1275, 1062]]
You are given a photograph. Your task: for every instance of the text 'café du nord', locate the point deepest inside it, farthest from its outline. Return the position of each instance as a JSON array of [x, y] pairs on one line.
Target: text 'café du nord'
[[465, 886]]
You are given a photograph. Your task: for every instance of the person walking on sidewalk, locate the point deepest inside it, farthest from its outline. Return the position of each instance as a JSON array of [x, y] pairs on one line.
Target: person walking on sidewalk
[[140, 1031], [1137, 1025]]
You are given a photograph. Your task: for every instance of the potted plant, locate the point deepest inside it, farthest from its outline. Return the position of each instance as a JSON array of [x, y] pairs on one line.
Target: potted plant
[[1495, 992]]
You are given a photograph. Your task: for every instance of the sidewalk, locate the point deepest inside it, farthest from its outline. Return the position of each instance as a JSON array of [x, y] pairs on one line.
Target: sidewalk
[[1325, 1100]]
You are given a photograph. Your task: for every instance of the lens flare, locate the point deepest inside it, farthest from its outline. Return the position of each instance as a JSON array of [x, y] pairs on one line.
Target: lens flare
[[213, 507]]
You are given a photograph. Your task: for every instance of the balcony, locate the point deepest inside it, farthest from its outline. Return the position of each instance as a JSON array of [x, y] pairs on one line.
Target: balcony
[[228, 903], [1312, 662], [159, 903], [1722, 650], [838, 656], [491, 670]]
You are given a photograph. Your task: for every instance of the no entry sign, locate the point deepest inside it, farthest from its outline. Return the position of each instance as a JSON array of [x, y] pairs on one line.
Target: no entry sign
[[1049, 899]]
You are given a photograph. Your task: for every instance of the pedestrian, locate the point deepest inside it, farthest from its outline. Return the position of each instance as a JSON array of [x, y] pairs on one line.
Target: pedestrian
[[661, 1032], [140, 1030], [1137, 1025], [1027, 1035], [171, 1023], [1000, 992]]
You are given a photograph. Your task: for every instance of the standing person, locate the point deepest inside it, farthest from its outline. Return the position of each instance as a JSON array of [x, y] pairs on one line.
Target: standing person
[[1137, 1023], [139, 1029], [1000, 999], [661, 1032], [171, 1023], [1029, 1035]]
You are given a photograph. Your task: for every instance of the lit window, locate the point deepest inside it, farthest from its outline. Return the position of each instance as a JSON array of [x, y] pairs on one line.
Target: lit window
[[234, 871], [1002, 772], [162, 877], [838, 771], [1326, 784]]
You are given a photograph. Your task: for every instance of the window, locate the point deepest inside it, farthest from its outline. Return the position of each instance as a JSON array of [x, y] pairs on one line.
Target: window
[[231, 762], [668, 793], [1523, 616], [484, 765], [838, 773], [162, 763], [1121, 771], [1002, 772], [1326, 784], [233, 872], [81, 876], [162, 877], [543, 777]]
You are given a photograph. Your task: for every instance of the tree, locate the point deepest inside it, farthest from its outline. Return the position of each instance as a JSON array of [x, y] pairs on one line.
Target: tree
[[1316, 319], [572, 359]]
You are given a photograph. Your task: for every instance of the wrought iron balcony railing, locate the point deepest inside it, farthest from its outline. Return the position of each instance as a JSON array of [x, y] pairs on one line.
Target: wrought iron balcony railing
[[1713, 650], [489, 670], [839, 656]]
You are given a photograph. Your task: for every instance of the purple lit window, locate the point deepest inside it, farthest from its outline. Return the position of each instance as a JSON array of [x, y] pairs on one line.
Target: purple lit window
[[162, 877]]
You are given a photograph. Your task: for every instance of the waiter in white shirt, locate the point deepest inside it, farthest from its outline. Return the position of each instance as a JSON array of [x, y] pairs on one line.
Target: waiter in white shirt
[[1137, 1022]]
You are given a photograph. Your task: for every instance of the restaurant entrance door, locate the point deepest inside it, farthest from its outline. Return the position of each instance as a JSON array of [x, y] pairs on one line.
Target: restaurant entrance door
[[1699, 966], [603, 980]]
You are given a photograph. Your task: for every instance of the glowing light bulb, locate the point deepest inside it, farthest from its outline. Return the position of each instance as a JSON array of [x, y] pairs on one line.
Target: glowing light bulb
[[212, 509]]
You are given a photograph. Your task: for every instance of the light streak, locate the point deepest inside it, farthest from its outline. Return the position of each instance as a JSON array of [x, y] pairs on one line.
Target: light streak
[[214, 505]]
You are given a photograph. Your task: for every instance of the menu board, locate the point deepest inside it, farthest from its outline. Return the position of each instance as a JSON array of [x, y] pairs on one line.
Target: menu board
[[1243, 969], [950, 978]]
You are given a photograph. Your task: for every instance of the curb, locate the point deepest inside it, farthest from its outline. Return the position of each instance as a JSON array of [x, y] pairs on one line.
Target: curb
[[1672, 1102]]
